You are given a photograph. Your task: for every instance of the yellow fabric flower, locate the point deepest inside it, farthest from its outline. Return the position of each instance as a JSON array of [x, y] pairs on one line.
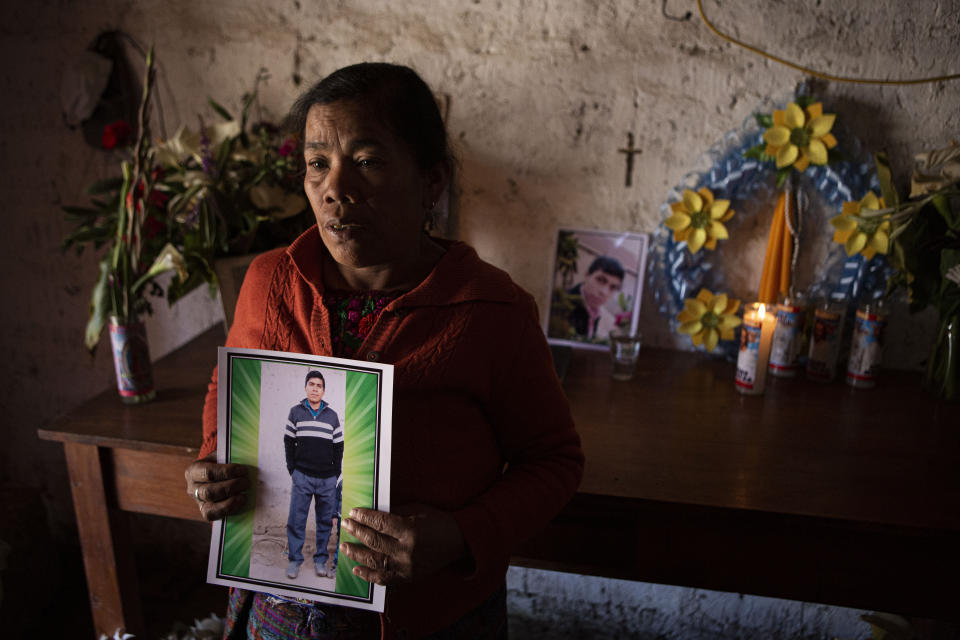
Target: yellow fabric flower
[[859, 234], [698, 219], [709, 318], [800, 137]]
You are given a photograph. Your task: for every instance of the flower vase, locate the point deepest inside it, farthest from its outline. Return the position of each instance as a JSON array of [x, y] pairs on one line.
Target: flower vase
[[943, 368], [131, 360]]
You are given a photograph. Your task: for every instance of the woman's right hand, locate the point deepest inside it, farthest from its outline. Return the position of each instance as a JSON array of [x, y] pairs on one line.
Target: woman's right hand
[[217, 488]]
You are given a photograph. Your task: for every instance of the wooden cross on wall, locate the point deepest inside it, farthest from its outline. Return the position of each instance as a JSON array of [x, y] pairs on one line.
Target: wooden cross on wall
[[630, 151]]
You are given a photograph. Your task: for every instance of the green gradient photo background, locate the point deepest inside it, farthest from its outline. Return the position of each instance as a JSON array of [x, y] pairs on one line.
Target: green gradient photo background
[[360, 422]]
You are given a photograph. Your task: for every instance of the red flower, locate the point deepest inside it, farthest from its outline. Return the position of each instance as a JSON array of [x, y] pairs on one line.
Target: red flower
[[289, 146], [116, 134], [353, 316], [366, 323], [157, 198], [152, 227]]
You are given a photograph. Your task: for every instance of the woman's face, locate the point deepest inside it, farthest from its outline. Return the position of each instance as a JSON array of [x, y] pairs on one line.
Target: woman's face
[[365, 187]]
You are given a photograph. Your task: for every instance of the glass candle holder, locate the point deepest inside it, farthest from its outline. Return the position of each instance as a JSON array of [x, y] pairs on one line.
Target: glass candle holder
[[788, 337], [624, 350], [825, 341], [756, 336], [866, 348]]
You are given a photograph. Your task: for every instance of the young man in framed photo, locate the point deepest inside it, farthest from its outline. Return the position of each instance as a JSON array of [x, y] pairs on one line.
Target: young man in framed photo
[[604, 279], [313, 441]]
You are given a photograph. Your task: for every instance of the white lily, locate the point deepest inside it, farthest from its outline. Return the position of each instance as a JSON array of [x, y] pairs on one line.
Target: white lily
[[184, 144], [281, 203]]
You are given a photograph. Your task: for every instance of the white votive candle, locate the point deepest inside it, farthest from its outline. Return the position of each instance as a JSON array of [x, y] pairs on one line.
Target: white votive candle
[[756, 335]]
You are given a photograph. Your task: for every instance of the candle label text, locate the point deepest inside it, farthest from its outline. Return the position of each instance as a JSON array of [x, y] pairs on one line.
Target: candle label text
[[748, 356], [867, 347], [787, 340], [824, 344]]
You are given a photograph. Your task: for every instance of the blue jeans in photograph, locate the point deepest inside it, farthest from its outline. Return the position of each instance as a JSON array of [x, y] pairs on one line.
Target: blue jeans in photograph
[[304, 489]]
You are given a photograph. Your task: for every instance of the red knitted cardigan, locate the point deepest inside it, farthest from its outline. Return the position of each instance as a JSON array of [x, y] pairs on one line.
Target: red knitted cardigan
[[481, 426]]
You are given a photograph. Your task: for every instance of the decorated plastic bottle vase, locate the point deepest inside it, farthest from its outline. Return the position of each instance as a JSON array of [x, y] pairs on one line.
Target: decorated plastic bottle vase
[[131, 359]]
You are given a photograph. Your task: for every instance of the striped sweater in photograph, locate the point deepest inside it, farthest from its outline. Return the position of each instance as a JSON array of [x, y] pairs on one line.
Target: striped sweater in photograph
[[313, 440]]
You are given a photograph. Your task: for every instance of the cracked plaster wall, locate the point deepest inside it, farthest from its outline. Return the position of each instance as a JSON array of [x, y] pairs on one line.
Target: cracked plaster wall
[[542, 93]]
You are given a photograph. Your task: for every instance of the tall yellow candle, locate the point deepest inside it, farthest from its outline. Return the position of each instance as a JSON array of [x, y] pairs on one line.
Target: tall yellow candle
[[773, 260]]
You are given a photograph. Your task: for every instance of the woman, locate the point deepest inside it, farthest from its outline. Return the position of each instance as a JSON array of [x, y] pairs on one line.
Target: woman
[[484, 449]]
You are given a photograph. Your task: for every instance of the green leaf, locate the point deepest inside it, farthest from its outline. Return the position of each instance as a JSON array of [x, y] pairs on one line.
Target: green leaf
[[884, 175], [179, 202], [921, 255], [804, 101], [949, 258], [168, 259], [105, 205], [756, 152], [248, 100], [899, 261], [105, 186], [782, 174], [121, 204], [223, 113], [900, 229], [81, 213], [942, 204], [200, 271], [85, 235], [765, 120], [223, 153], [98, 306]]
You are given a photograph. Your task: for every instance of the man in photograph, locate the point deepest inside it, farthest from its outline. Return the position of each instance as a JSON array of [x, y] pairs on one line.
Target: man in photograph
[[604, 279], [313, 441]]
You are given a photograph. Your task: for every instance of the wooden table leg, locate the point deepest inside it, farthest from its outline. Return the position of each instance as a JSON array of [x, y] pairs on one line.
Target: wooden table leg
[[107, 556]]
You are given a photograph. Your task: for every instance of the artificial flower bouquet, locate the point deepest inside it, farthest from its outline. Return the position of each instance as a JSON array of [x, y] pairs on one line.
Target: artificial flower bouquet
[[921, 236], [233, 189], [225, 189]]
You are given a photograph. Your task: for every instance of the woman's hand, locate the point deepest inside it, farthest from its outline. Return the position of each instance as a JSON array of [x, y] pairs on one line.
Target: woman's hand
[[414, 542], [217, 488]]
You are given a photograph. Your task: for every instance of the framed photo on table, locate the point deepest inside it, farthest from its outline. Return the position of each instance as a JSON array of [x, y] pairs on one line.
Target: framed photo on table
[[268, 406], [596, 286]]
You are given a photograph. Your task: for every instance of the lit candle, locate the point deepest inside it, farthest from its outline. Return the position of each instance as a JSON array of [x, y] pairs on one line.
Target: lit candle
[[756, 335]]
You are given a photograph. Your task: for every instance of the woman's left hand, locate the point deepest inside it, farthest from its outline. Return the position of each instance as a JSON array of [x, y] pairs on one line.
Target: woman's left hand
[[413, 542]]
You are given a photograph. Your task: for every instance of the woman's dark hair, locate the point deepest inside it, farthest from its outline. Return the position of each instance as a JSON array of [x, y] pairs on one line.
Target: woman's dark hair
[[396, 93]]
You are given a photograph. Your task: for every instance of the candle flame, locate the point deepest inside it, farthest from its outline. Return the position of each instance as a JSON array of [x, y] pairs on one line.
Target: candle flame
[[763, 310]]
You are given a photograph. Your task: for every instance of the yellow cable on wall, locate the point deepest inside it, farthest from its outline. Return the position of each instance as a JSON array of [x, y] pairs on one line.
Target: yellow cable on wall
[[813, 72]]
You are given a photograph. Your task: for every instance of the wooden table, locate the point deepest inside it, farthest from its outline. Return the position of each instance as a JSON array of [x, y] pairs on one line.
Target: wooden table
[[132, 458], [811, 492]]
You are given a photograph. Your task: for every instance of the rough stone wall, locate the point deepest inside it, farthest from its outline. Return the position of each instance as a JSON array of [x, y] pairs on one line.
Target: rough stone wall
[[546, 604], [543, 93]]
